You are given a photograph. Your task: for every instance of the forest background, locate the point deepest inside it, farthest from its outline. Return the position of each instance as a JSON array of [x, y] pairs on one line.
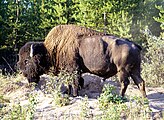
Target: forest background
[[141, 21]]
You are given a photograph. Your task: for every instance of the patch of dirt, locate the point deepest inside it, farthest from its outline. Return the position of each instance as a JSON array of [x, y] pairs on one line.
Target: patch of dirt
[[46, 110]]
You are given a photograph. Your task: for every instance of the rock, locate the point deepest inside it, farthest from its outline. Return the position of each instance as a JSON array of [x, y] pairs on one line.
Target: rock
[[92, 86]]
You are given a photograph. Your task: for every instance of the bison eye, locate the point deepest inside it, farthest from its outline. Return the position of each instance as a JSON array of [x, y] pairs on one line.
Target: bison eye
[[26, 62]]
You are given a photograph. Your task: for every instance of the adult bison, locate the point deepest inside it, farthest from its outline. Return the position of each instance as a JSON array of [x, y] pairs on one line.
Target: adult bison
[[81, 49]]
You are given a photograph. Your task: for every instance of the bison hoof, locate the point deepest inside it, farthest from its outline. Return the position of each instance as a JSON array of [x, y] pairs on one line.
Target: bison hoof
[[75, 94]]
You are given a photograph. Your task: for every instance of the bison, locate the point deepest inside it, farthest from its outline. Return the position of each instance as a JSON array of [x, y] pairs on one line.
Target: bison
[[76, 48]]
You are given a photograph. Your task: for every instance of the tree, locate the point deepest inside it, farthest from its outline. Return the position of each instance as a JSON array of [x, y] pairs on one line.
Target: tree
[[57, 12], [113, 16], [143, 18], [19, 24], [160, 19]]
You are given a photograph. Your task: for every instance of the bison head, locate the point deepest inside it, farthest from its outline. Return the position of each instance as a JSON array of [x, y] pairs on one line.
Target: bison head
[[34, 60]]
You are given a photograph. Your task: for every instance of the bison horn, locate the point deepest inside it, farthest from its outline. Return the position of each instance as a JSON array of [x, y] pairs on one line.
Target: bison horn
[[31, 51]]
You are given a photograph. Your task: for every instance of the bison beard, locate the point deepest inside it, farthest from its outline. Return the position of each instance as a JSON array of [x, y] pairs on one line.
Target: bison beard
[[80, 49]]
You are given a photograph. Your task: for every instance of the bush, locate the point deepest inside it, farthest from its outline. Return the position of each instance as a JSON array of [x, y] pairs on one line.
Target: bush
[[18, 112], [54, 87], [114, 107], [153, 63], [109, 96], [85, 110]]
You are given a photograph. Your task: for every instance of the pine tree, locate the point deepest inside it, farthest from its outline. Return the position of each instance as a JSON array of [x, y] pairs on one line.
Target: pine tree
[[160, 19]]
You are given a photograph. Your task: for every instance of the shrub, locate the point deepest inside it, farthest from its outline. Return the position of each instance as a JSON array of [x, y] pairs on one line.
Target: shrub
[[153, 63], [111, 104], [139, 108], [109, 96], [114, 107], [18, 112], [54, 87], [85, 110]]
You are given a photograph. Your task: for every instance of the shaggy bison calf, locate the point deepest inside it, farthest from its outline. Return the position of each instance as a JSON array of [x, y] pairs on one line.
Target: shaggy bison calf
[[81, 49]]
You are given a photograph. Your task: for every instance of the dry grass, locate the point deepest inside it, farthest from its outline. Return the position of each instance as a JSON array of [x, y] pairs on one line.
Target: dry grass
[[14, 90]]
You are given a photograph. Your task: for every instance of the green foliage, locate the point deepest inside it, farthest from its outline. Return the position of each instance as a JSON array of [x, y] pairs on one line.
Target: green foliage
[[18, 112], [139, 108], [115, 107], [91, 12], [108, 16], [19, 21], [111, 104], [64, 78], [143, 17], [67, 78], [61, 100], [114, 112], [161, 16], [160, 19], [31, 107], [153, 64], [120, 24], [53, 86], [85, 110], [56, 12], [108, 96]]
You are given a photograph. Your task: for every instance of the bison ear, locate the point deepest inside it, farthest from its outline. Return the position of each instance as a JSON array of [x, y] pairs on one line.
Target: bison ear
[[31, 51]]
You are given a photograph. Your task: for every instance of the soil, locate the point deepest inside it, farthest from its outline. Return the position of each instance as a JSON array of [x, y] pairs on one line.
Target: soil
[[45, 109]]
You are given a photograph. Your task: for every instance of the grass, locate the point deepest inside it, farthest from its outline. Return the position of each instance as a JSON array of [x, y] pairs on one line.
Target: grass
[[84, 108], [113, 106], [10, 110]]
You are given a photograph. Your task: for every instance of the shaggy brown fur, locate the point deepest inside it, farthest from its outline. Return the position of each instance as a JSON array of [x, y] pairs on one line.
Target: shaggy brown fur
[[63, 41]]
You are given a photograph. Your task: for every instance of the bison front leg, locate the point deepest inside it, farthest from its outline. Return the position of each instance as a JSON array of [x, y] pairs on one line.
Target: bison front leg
[[78, 84], [124, 81], [75, 85]]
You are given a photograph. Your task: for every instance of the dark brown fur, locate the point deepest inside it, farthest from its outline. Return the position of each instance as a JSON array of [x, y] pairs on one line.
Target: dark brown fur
[[33, 67], [81, 49]]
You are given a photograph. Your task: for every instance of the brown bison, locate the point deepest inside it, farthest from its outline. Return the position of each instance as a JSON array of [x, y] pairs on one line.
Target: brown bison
[[81, 49]]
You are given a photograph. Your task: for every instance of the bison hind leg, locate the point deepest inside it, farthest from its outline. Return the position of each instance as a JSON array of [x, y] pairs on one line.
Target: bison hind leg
[[124, 81], [139, 82], [78, 84], [74, 88], [81, 83]]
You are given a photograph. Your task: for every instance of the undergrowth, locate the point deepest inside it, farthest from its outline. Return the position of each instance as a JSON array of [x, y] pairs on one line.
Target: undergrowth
[[153, 60], [18, 112], [115, 107], [54, 85], [85, 110]]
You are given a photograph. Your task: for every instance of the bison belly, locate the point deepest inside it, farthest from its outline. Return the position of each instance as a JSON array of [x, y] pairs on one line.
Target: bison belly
[[96, 58]]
